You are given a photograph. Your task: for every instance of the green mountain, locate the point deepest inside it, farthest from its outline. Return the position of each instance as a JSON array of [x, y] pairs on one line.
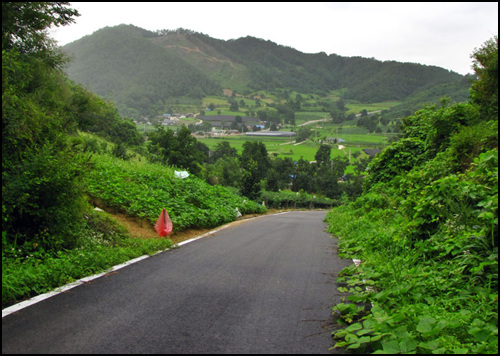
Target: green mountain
[[124, 65], [458, 91], [142, 70]]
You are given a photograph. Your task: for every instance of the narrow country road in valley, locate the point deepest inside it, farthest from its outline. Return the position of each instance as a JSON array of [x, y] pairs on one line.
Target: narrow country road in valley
[[264, 285]]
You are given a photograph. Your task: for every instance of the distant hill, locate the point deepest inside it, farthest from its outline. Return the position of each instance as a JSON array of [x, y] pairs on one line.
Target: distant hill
[[125, 65], [141, 70], [458, 91]]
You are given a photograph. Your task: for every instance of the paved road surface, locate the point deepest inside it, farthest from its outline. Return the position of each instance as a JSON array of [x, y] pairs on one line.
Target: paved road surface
[[262, 286]]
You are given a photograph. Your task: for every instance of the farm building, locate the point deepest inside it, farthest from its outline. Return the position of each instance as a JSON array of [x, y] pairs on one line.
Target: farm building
[[226, 120], [170, 121], [334, 140], [371, 151]]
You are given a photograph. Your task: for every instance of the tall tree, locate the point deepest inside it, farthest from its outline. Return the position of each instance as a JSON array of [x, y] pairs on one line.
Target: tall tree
[[322, 156], [256, 152], [234, 106], [250, 182], [178, 149], [484, 92], [279, 176], [25, 25], [303, 179], [223, 149], [328, 173], [41, 196]]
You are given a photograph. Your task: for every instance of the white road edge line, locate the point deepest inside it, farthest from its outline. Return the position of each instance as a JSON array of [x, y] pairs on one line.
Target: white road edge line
[[16, 307]]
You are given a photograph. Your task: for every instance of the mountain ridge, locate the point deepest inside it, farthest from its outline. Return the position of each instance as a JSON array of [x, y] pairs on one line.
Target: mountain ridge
[[140, 69]]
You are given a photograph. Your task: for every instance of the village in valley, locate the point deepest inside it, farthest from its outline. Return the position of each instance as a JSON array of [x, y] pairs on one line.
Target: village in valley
[[212, 123]]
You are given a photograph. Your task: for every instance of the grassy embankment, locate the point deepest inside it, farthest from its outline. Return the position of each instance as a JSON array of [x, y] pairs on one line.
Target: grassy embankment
[[136, 191], [426, 233]]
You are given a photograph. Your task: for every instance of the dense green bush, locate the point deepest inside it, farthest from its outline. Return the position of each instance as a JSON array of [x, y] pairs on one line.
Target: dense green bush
[[41, 197], [288, 199], [426, 232], [144, 189], [95, 115], [398, 158], [178, 149], [430, 260]]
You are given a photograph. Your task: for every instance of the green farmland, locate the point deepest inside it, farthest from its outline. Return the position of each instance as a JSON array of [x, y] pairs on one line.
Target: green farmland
[[355, 138], [284, 147]]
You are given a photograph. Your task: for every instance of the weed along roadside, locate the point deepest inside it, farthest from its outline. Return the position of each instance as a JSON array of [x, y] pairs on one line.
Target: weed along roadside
[[432, 293], [145, 230], [426, 229], [141, 230], [133, 193]]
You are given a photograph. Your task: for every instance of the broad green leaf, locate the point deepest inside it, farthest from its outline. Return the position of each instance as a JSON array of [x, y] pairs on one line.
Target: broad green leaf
[[439, 351], [428, 318], [340, 344], [354, 346], [364, 340], [407, 345], [425, 324], [354, 327], [431, 345], [351, 338], [461, 351], [391, 347], [370, 323], [364, 332], [480, 335]]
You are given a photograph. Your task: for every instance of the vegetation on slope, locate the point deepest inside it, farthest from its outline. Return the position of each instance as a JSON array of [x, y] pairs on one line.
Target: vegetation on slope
[[123, 65], [144, 189], [142, 71], [426, 232], [51, 234]]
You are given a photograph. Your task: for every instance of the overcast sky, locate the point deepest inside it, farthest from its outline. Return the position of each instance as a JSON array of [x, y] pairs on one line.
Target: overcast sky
[[440, 34]]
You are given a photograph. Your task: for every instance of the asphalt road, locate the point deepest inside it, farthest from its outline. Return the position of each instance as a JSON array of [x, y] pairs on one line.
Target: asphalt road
[[262, 286]]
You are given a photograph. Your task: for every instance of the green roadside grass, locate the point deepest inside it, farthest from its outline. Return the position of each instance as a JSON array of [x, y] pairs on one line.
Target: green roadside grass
[[136, 188], [28, 271]]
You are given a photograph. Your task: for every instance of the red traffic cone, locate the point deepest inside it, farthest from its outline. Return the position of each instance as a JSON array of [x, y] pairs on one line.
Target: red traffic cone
[[164, 225]]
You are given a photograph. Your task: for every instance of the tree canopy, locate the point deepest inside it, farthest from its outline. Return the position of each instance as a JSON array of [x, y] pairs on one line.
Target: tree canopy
[[484, 91], [43, 159], [176, 148], [25, 24]]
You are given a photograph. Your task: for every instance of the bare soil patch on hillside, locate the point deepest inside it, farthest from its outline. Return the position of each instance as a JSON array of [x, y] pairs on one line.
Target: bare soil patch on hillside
[[142, 228]]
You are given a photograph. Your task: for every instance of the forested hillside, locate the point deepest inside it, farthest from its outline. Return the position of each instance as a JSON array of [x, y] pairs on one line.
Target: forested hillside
[[142, 71], [457, 91], [425, 232], [123, 65]]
